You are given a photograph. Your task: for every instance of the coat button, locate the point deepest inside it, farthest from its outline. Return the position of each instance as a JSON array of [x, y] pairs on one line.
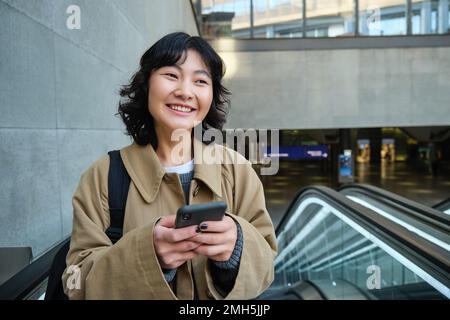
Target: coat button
[[196, 190]]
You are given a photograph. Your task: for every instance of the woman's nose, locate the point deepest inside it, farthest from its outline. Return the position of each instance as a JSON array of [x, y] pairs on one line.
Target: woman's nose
[[184, 91]]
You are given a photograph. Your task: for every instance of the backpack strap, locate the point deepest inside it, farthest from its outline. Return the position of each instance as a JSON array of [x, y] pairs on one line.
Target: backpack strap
[[118, 185]]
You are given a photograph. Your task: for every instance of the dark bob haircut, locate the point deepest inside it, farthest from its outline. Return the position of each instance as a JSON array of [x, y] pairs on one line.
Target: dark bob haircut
[[133, 108]]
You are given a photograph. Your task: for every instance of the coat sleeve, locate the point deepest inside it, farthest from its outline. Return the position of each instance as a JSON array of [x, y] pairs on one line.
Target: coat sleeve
[[256, 269], [97, 269]]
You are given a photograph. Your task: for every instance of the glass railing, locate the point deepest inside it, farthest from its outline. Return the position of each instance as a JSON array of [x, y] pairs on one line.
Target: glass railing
[[333, 248], [320, 18]]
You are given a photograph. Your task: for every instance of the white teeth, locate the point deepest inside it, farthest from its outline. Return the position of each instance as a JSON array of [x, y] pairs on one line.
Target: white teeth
[[180, 108]]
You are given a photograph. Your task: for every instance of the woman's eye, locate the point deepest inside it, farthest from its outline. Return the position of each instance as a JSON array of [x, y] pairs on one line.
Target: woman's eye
[[171, 75], [202, 81]]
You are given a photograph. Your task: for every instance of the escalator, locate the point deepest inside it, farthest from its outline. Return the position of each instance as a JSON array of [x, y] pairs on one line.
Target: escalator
[[331, 247]]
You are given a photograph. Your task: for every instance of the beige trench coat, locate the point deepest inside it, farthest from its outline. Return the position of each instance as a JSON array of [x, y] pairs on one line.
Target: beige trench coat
[[130, 269]]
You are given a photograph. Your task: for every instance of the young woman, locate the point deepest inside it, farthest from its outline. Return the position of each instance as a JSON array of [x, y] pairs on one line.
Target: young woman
[[177, 88]]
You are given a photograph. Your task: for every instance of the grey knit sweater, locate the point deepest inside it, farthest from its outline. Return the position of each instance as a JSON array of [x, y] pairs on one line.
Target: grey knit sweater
[[223, 272]]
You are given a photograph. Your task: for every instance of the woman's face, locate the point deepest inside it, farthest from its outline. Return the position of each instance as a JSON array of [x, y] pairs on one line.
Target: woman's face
[[180, 96]]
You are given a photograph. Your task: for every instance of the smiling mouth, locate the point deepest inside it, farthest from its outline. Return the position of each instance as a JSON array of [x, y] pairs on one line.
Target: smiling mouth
[[178, 108]]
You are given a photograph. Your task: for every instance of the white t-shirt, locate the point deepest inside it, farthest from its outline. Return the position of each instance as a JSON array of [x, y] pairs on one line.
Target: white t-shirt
[[183, 168]]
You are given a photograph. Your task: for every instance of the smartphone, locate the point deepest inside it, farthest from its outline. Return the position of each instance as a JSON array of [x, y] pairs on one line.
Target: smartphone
[[194, 214]]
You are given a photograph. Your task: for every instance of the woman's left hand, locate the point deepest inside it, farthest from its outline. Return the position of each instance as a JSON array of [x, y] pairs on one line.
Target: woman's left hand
[[218, 239]]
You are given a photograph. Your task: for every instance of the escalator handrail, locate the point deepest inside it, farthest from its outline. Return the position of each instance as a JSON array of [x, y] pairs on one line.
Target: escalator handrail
[[444, 204], [424, 213], [432, 258], [27, 279]]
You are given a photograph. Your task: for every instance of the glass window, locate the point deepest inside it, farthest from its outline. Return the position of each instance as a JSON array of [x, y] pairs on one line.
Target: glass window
[[225, 18], [382, 17], [430, 16], [277, 18], [330, 18], [324, 18]]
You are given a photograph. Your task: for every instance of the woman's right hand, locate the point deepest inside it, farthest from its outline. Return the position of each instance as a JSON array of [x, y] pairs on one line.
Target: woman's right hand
[[173, 246]]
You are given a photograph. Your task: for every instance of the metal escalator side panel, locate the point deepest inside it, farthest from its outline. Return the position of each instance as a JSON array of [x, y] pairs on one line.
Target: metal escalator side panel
[[307, 291], [336, 289]]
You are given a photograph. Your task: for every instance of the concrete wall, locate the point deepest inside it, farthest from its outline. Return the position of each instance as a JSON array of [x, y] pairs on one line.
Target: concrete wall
[[58, 97], [347, 88]]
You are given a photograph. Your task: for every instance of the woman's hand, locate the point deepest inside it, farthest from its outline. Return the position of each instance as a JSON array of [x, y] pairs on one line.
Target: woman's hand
[[174, 246], [217, 240]]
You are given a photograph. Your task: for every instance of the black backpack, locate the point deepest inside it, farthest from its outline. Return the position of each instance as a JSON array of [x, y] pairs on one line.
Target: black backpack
[[118, 185]]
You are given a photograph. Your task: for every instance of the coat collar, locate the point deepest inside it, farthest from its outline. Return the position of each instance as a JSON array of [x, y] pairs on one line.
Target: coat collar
[[144, 168]]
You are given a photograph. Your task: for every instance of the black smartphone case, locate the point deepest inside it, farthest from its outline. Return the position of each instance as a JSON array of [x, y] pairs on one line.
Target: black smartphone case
[[196, 213]]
